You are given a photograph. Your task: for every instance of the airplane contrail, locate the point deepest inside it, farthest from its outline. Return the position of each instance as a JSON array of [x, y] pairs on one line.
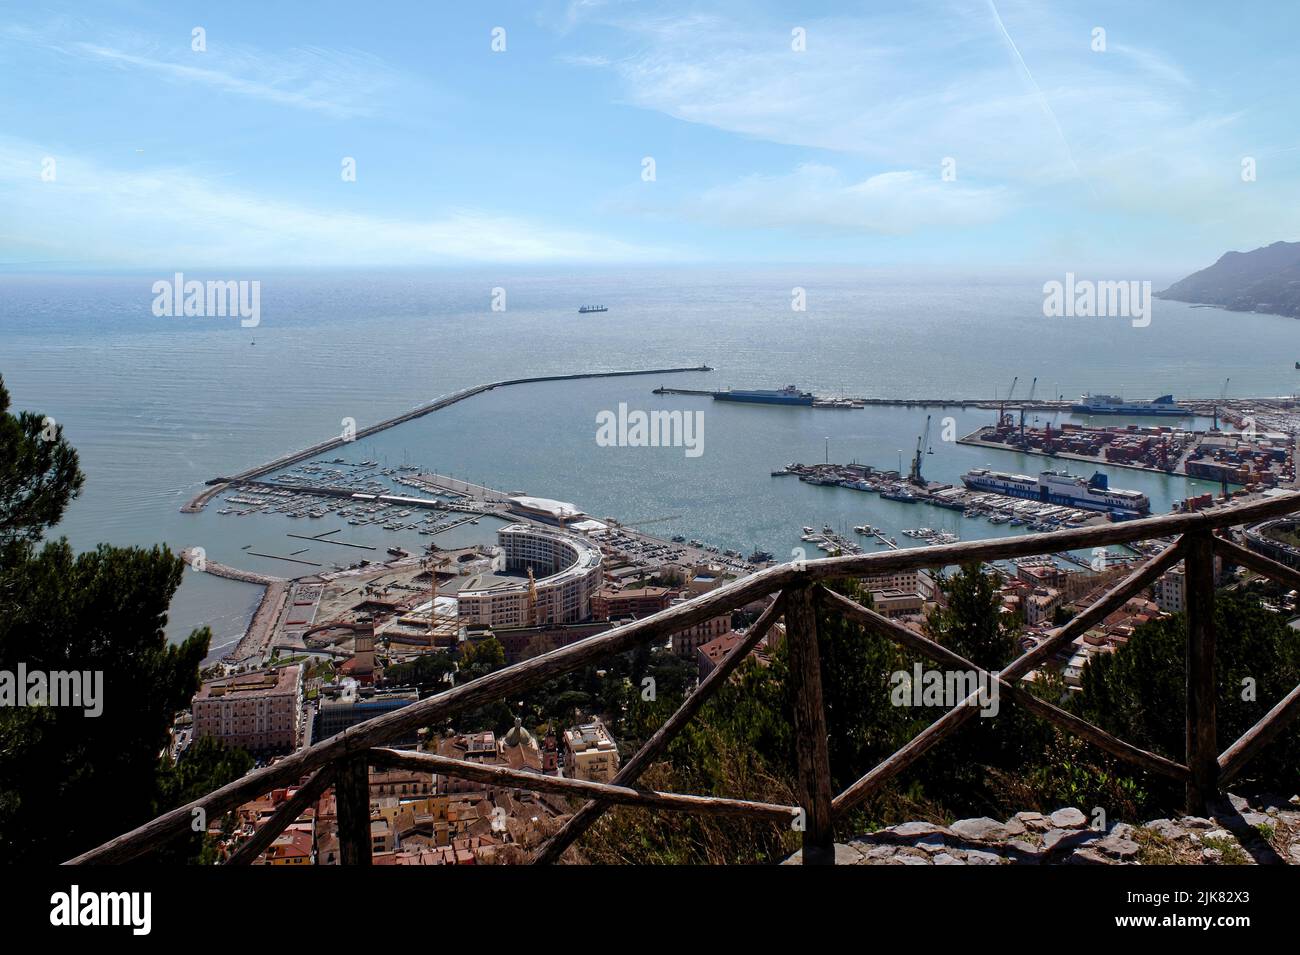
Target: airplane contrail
[[1042, 99]]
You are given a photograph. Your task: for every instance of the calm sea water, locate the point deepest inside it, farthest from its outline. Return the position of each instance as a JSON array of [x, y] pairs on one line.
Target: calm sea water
[[156, 406]]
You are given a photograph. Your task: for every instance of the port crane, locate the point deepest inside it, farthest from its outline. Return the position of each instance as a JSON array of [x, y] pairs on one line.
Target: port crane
[[922, 442], [1223, 397], [1032, 387], [1002, 407]]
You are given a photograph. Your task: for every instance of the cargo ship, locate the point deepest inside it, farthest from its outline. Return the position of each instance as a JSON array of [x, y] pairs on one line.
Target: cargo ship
[[584, 309], [1109, 404], [1060, 487], [789, 395]]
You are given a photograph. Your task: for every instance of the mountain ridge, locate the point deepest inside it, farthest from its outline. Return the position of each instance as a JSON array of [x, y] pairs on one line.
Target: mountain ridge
[[1265, 280]]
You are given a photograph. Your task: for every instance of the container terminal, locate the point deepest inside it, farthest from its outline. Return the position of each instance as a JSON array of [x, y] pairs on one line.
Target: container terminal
[[1252, 458]]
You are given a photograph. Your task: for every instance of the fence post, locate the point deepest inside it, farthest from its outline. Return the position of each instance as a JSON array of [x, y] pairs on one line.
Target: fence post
[[810, 728], [1201, 735], [352, 796]]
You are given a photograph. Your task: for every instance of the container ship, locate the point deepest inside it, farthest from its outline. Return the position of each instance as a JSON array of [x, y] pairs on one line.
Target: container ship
[[1060, 487], [1109, 404], [789, 395], [584, 309]]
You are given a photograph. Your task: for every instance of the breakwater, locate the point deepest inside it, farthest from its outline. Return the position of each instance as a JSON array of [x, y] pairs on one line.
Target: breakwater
[[443, 401]]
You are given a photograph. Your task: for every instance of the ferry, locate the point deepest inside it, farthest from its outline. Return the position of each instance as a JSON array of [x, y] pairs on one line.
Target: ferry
[[1110, 404], [585, 309], [789, 395], [1060, 487]]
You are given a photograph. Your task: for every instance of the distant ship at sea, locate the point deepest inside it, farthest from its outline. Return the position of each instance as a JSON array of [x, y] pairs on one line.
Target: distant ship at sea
[[1109, 404], [584, 309], [789, 395]]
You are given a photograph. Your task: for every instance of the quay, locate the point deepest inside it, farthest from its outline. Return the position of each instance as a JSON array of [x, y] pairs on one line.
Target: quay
[[997, 508]]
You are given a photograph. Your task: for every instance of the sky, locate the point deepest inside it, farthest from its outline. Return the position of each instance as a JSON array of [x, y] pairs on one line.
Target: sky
[[963, 134]]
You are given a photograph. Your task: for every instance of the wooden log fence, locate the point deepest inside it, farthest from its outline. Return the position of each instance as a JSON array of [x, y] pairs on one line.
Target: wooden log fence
[[796, 593]]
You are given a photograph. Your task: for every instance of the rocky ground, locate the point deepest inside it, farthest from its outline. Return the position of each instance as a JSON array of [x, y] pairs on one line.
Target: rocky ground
[[1260, 831]]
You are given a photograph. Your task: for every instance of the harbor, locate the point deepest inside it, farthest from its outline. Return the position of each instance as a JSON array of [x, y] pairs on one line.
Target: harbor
[[995, 507], [371, 504]]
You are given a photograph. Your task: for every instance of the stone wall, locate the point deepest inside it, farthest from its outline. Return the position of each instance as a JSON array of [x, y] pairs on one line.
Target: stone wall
[[1263, 830]]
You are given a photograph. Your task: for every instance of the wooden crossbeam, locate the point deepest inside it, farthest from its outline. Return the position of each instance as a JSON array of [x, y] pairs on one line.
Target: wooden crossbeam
[[506, 778], [1272, 569], [941, 728], [1018, 694], [1236, 756], [266, 833], [529, 674], [657, 744]]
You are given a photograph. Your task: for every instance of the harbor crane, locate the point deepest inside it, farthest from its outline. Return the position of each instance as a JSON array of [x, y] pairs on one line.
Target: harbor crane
[[922, 442], [1002, 407], [1029, 400], [1223, 397]]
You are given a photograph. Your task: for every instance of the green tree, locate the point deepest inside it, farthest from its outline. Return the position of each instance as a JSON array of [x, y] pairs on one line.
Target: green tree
[[1139, 692], [481, 658], [73, 780], [39, 473], [206, 765]]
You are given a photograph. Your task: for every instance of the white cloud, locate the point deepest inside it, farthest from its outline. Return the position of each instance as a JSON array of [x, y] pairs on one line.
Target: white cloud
[[816, 197], [92, 215], [907, 88], [338, 83]]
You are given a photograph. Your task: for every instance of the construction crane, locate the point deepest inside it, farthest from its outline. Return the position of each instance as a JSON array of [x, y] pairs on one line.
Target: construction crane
[[532, 598], [433, 564], [1032, 387], [1223, 397], [922, 442]]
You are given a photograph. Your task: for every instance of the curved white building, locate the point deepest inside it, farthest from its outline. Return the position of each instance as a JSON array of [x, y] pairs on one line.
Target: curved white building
[[567, 571]]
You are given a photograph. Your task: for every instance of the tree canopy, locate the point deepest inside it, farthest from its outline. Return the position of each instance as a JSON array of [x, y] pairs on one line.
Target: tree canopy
[[72, 780]]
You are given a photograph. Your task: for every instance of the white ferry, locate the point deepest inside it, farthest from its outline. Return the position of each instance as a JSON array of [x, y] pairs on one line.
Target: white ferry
[[1060, 487], [1163, 406]]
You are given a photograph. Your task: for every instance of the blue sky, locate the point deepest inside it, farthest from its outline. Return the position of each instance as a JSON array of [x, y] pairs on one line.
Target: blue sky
[[165, 157]]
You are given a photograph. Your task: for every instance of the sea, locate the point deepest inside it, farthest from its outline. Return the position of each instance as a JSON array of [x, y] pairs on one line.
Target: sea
[[156, 406]]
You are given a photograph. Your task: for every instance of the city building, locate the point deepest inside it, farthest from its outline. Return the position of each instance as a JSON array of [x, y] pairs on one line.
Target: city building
[[611, 603], [1040, 606], [897, 603], [353, 707], [715, 651], [566, 572], [260, 712], [686, 642], [909, 581], [590, 752]]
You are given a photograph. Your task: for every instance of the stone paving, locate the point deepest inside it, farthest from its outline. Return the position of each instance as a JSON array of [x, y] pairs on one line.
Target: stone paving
[[1265, 830]]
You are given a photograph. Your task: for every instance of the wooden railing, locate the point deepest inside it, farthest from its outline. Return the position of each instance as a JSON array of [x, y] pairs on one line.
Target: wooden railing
[[344, 760]]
